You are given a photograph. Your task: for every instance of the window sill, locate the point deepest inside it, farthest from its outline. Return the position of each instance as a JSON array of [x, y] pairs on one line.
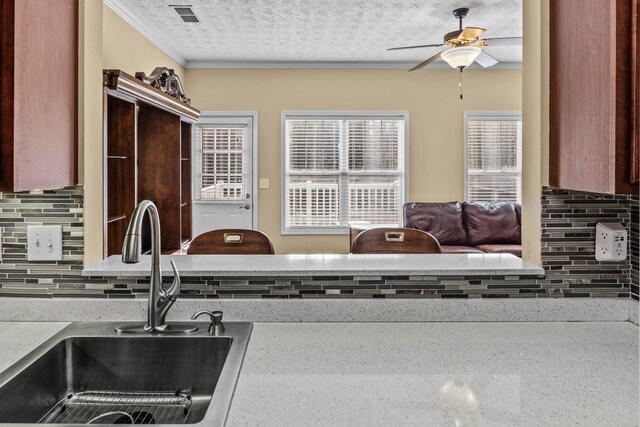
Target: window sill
[[314, 231]]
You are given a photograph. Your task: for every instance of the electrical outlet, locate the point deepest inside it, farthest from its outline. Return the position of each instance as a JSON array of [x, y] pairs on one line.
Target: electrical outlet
[[44, 243], [263, 183], [611, 242]]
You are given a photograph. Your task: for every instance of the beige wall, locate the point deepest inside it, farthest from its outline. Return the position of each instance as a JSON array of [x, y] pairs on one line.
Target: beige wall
[[436, 140], [106, 41], [124, 48], [535, 112], [90, 124]]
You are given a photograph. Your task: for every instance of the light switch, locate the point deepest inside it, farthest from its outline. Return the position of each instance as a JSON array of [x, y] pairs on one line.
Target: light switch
[[44, 243], [264, 183]]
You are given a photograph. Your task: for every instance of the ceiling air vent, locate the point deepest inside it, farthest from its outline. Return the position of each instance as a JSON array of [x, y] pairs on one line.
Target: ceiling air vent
[[185, 12]]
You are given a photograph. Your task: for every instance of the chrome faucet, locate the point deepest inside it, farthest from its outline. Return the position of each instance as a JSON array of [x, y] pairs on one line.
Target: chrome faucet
[[160, 300]]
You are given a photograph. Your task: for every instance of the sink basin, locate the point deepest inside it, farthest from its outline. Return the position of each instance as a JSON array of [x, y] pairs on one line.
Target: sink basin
[[88, 373]]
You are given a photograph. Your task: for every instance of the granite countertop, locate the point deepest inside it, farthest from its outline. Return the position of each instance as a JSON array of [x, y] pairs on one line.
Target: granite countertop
[[440, 374], [323, 265], [17, 339]]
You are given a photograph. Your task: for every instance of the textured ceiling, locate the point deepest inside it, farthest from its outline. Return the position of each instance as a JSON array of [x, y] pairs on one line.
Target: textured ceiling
[[280, 31]]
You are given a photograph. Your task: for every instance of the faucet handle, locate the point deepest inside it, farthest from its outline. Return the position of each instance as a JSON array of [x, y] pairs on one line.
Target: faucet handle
[[174, 290], [216, 327]]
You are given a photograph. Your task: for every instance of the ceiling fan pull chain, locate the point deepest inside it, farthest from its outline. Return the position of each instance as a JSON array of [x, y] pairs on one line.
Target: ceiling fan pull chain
[[460, 82]]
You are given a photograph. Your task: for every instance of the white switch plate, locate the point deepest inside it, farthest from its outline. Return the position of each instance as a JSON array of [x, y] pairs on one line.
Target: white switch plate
[[44, 243], [264, 183]]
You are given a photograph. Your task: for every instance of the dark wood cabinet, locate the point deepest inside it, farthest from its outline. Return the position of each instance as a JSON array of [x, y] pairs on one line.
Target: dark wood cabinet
[[147, 145], [635, 92], [185, 193], [120, 166], [592, 52], [38, 94]]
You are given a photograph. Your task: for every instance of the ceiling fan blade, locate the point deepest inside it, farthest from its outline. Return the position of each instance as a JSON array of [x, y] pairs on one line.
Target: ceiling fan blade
[[486, 60], [471, 33], [415, 47], [501, 41], [426, 62]]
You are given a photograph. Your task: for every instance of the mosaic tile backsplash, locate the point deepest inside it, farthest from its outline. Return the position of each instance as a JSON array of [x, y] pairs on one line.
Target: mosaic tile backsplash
[[18, 277], [568, 242], [568, 220], [634, 242]]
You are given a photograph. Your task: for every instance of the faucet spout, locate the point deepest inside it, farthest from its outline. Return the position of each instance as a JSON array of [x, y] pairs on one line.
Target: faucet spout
[[160, 300]]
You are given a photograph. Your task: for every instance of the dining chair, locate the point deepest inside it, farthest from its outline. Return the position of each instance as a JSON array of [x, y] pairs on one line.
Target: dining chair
[[395, 241], [231, 241]]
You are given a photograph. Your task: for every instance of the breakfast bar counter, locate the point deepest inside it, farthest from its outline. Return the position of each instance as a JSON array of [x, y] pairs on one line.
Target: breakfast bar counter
[[323, 265]]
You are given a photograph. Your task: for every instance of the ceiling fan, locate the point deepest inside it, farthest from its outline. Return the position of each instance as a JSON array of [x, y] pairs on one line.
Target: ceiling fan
[[463, 46]]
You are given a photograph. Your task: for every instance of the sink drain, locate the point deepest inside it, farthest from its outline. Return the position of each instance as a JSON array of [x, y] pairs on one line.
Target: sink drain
[[113, 407]]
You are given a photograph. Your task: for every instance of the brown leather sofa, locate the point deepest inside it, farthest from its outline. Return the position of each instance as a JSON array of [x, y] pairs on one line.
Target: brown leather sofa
[[469, 227]]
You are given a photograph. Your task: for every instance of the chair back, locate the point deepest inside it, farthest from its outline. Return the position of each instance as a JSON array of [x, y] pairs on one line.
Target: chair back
[[231, 241], [395, 241]]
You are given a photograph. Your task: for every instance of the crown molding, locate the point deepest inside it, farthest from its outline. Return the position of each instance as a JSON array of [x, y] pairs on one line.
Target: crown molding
[[372, 65], [122, 11]]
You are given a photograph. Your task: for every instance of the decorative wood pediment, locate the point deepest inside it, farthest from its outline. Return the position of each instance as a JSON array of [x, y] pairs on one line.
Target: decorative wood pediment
[[166, 80]]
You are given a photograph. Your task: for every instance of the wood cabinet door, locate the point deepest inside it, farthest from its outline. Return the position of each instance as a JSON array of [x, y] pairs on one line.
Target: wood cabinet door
[[634, 165], [593, 103], [38, 94]]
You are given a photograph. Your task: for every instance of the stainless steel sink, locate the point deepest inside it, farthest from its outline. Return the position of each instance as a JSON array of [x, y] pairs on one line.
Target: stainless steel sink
[[88, 373]]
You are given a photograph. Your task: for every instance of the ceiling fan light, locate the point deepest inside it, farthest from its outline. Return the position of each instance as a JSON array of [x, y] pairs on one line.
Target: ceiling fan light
[[461, 57]]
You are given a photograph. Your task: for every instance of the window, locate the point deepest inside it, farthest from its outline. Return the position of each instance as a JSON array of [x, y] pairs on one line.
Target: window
[[221, 149], [341, 169], [493, 157]]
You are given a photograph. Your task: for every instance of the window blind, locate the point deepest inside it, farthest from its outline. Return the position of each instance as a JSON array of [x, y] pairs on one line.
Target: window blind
[[222, 169], [494, 159], [343, 170]]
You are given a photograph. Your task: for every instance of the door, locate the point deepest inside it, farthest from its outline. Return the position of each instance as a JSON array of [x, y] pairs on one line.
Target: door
[[223, 175]]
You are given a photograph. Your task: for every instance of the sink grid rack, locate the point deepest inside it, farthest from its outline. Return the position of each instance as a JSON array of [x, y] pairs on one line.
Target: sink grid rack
[[105, 407]]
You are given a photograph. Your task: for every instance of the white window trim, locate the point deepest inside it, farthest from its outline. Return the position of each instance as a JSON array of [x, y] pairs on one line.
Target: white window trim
[[338, 114], [482, 115], [235, 117]]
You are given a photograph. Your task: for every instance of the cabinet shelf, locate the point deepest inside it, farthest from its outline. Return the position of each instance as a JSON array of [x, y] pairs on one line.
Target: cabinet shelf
[[114, 218]]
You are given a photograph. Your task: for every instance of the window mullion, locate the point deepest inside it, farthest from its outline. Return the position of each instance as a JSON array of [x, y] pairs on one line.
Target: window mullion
[[344, 177]]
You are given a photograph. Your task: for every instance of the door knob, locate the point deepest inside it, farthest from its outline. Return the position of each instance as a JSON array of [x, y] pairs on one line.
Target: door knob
[[245, 206]]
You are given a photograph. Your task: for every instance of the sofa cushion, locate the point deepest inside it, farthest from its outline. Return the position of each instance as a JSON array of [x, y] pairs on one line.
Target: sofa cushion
[[501, 249], [460, 250], [444, 221], [491, 223]]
